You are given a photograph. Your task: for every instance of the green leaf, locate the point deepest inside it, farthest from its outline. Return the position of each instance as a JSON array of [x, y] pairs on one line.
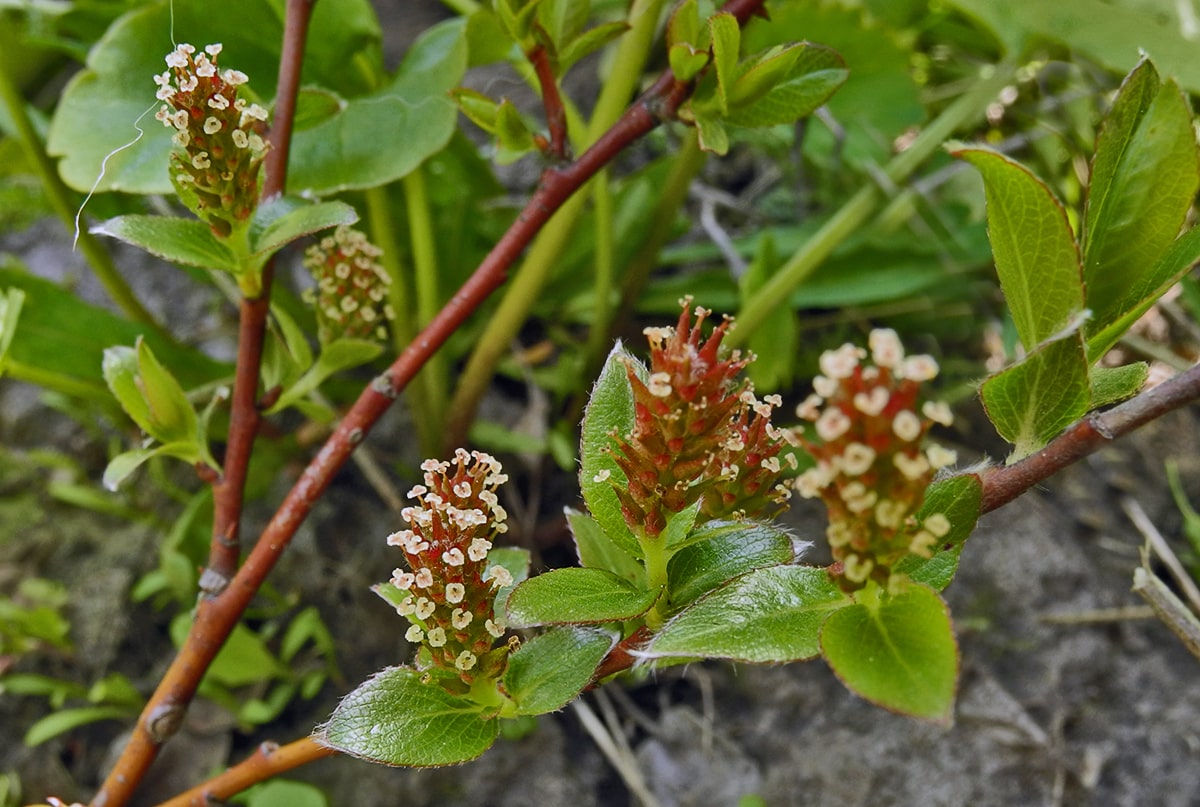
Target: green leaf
[[609, 411], [774, 368], [347, 152], [285, 219], [713, 136], [597, 551], [562, 20], [61, 341], [1111, 385], [1144, 179], [768, 615], [11, 301], [186, 241], [172, 417], [897, 652], [684, 25], [341, 354], [120, 368], [1036, 255], [513, 137], [1031, 402], [1170, 269], [731, 549], [479, 109], [589, 42], [284, 793], [576, 596], [121, 466], [811, 74], [550, 670], [686, 62], [244, 658], [726, 39], [64, 720], [104, 107], [679, 526], [959, 499], [395, 719]]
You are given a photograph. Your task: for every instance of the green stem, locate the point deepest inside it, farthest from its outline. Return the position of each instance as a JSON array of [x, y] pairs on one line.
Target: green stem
[[60, 200], [858, 210], [404, 326], [544, 254], [656, 557], [432, 378], [604, 263]]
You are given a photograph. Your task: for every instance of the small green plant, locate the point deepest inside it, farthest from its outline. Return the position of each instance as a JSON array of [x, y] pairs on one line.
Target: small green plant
[[684, 464]]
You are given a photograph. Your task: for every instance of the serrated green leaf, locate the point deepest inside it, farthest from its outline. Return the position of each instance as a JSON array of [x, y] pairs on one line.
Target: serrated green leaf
[[597, 551], [395, 719], [1144, 179], [171, 415], [64, 720], [609, 411], [589, 42], [336, 356], [550, 670], [283, 220], [726, 41], [187, 241], [1031, 402], [1111, 385], [576, 596], [768, 615], [1035, 251], [899, 653], [512, 135], [729, 551]]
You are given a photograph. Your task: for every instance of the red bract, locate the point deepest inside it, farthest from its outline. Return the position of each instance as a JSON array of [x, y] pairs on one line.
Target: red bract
[[699, 433]]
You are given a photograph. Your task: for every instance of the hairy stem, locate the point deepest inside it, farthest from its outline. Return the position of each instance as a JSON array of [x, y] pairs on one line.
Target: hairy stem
[[163, 713]]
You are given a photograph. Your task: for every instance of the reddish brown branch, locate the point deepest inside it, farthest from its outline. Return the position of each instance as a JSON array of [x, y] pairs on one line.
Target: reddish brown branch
[[269, 760], [224, 551], [162, 716], [556, 115], [218, 615], [1002, 485]]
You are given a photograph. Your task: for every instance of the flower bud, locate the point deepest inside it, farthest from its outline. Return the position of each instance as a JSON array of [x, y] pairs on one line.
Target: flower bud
[[351, 290]]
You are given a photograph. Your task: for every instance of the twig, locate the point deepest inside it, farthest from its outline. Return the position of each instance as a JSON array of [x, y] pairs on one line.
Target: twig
[[269, 760], [1003, 484], [228, 492], [216, 616], [556, 115], [1161, 548], [163, 713]]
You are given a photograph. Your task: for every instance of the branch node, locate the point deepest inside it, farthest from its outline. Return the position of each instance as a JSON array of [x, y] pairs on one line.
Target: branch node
[[268, 748], [382, 384], [163, 721], [355, 436], [212, 583]]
